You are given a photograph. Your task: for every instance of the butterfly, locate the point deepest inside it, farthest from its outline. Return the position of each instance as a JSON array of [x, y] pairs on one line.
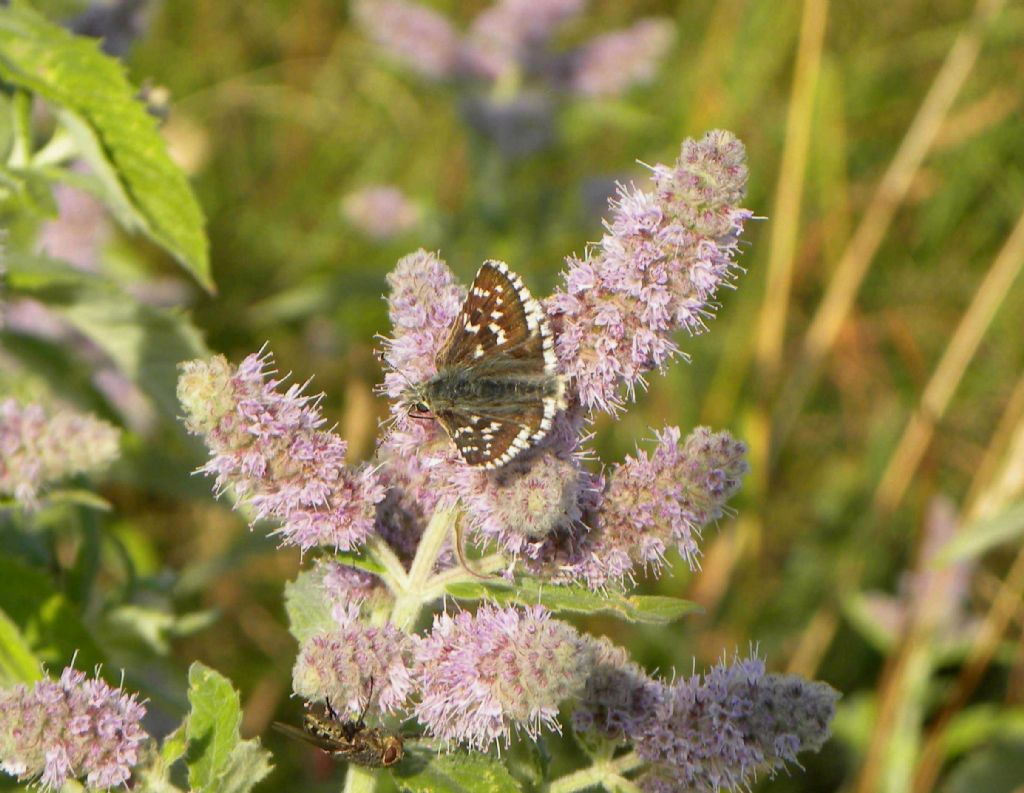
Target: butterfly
[[347, 739], [497, 387]]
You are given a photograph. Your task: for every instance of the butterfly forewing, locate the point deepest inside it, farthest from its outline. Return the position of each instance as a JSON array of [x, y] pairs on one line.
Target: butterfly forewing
[[498, 316]]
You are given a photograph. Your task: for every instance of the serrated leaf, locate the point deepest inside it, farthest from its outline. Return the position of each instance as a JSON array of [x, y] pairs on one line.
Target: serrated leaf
[[648, 609], [18, 664], [118, 137], [218, 760], [146, 343], [424, 772], [306, 605], [979, 537]]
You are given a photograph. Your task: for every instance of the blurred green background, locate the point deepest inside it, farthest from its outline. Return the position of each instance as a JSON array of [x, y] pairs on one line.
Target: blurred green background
[[871, 356]]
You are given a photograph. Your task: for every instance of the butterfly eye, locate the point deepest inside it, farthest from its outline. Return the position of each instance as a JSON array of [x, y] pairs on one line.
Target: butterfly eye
[[421, 407]]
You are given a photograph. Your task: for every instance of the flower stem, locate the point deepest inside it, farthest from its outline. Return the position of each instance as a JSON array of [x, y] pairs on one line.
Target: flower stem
[[360, 780], [607, 773], [417, 590]]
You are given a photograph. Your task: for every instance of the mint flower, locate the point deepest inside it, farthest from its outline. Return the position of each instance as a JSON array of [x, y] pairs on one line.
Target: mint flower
[[380, 211], [524, 501], [343, 584], [618, 697], [658, 269], [71, 728], [268, 449], [724, 729], [354, 663], [651, 502], [412, 34], [38, 447], [511, 33], [610, 64], [482, 675]]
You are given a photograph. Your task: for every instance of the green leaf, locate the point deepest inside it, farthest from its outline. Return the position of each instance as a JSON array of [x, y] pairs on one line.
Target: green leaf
[[648, 609], [994, 769], [174, 745], [46, 620], [218, 760], [976, 538], [422, 771], [78, 497], [306, 605], [117, 136], [146, 343], [18, 664], [981, 724]]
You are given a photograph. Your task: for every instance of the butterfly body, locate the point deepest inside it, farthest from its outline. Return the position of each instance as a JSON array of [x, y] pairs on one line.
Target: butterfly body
[[497, 387]]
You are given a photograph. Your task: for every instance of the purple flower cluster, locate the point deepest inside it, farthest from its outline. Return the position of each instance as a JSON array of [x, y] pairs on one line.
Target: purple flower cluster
[[269, 451], [71, 728], [724, 729], [658, 269], [355, 663], [37, 447], [511, 40], [482, 675], [608, 65], [380, 211]]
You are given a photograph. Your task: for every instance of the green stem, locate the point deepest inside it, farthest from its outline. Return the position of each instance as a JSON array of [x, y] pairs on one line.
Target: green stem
[[360, 780], [21, 117], [417, 591], [394, 576], [607, 773]]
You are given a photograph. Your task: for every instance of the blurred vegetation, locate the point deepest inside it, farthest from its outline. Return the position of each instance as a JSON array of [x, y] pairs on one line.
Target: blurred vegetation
[[884, 148]]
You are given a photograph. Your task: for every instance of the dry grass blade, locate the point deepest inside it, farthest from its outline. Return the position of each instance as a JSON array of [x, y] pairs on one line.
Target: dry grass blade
[[950, 371], [890, 194], [789, 189]]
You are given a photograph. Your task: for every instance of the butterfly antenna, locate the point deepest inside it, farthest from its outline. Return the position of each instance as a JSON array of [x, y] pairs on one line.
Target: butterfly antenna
[[460, 551]]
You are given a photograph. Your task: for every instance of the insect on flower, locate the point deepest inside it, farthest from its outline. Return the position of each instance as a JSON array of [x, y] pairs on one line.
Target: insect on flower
[[497, 387], [347, 739]]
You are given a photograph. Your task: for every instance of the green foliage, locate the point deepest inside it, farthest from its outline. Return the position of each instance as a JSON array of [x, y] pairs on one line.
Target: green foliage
[[116, 136], [458, 772], [645, 609], [218, 760], [306, 606]]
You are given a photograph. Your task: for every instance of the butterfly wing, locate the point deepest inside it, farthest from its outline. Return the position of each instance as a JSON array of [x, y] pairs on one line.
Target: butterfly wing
[[492, 439], [499, 315]]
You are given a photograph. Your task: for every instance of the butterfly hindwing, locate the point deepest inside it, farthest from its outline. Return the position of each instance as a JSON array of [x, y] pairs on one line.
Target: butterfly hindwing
[[492, 440]]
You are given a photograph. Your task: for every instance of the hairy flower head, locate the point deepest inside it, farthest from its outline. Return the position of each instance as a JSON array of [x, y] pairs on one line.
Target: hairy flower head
[[70, 728], [411, 34], [268, 449], [482, 675], [380, 211], [608, 65], [38, 447], [355, 663], [665, 254], [618, 695], [722, 729]]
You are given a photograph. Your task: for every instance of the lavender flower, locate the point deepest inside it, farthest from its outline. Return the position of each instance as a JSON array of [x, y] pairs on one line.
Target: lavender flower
[[424, 301], [651, 502], [81, 229], [268, 449], [355, 663], [658, 268], [37, 448], [504, 36], [482, 675], [618, 697], [608, 65], [524, 501], [722, 730], [412, 34], [381, 211], [343, 584], [73, 727]]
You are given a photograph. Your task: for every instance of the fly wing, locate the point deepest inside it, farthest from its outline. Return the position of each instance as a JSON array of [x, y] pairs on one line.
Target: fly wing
[[327, 744]]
